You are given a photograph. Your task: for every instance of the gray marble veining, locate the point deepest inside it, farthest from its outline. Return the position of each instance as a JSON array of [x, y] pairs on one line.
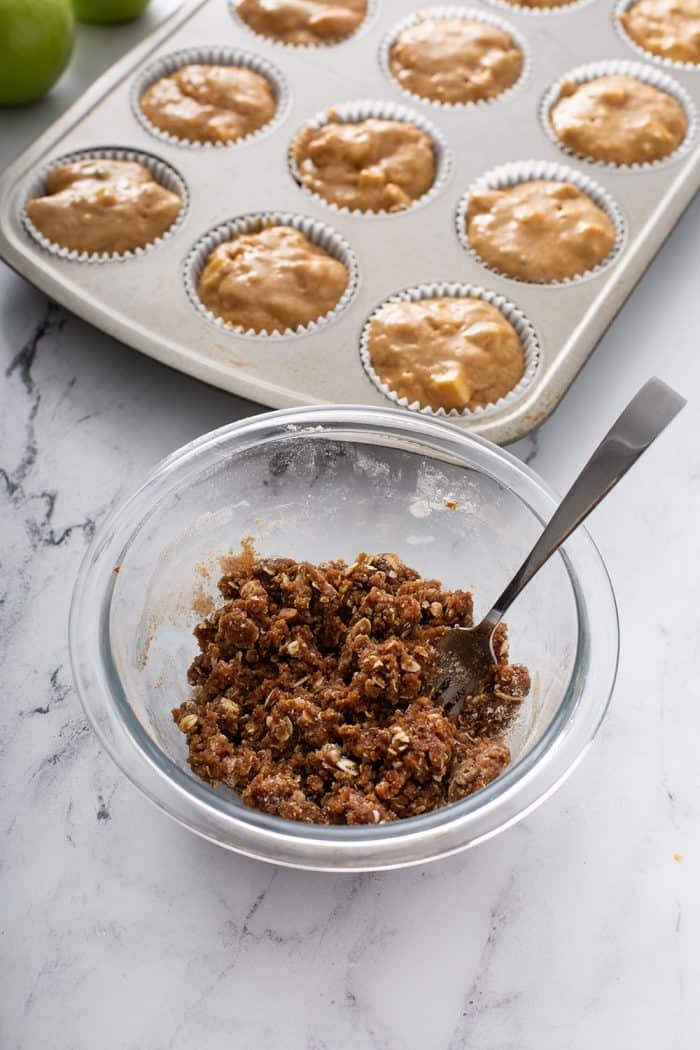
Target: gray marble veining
[[119, 930]]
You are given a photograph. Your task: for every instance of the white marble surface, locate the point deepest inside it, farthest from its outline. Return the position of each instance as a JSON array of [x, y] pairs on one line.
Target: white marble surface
[[120, 931]]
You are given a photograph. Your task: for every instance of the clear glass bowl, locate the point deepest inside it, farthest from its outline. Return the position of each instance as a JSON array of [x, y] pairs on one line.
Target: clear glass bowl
[[321, 483]]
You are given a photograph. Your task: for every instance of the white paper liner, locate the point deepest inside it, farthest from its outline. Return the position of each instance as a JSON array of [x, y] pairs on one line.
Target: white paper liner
[[451, 11], [562, 9], [443, 289], [162, 173], [316, 232], [372, 8], [516, 172], [364, 109], [673, 63], [209, 56], [648, 75]]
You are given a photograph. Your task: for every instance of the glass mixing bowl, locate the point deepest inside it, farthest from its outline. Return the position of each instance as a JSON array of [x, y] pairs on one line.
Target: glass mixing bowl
[[322, 483]]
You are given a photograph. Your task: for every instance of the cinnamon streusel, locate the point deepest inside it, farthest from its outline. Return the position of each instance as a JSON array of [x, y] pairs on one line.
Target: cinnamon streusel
[[312, 697]]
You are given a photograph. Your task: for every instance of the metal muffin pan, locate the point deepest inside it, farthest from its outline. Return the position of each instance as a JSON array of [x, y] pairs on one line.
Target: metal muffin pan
[[143, 300]]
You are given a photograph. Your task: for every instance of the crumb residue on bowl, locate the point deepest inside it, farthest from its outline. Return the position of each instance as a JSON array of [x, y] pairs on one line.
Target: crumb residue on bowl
[[202, 603], [233, 563]]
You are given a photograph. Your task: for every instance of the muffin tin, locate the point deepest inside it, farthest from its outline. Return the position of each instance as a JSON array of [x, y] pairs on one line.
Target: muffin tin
[[146, 300]]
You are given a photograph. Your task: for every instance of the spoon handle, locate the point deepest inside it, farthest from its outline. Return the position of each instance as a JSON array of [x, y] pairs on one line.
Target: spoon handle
[[647, 414]]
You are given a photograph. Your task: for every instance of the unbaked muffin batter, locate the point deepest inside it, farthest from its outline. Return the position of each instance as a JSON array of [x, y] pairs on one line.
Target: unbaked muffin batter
[[667, 28], [303, 21], [540, 3], [539, 231], [373, 165], [206, 103], [618, 120], [101, 206], [271, 281], [455, 60], [452, 353]]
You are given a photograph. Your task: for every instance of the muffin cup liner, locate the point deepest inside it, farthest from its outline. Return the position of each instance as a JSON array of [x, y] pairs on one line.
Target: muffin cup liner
[[673, 63], [364, 109], [517, 172], [472, 15], [316, 232], [443, 289], [648, 75], [562, 9], [372, 8], [209, 56], [162, 173]]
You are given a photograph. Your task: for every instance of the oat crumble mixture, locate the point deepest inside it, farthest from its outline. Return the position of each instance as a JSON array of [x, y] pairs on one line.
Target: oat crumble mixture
[[312, 697]]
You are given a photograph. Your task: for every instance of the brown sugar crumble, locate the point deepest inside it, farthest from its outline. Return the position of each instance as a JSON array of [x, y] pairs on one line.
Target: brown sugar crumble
[[311, 695]]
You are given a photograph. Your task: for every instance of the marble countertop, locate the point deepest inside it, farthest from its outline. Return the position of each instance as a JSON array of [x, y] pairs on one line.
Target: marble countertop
[[119, 930]]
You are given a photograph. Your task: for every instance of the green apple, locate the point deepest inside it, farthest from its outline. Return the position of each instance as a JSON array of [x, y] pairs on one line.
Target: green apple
[[36, 41], [101, 11]]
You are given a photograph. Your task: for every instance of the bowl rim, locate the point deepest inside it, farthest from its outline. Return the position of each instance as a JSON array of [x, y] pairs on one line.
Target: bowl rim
[[267, 837]]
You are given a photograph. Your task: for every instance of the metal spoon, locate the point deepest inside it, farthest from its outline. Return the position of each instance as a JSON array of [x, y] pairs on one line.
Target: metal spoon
[[465, 654]]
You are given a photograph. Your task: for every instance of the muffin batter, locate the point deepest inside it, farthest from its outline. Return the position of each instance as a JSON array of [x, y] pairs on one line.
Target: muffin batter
[[452, 353], [539, 231], [540, 3], [374, 165], [101, 206], [618, 120], [303, 21], [312, 693], [203, 103], [455, 60], [667, 28], [271, 281]]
